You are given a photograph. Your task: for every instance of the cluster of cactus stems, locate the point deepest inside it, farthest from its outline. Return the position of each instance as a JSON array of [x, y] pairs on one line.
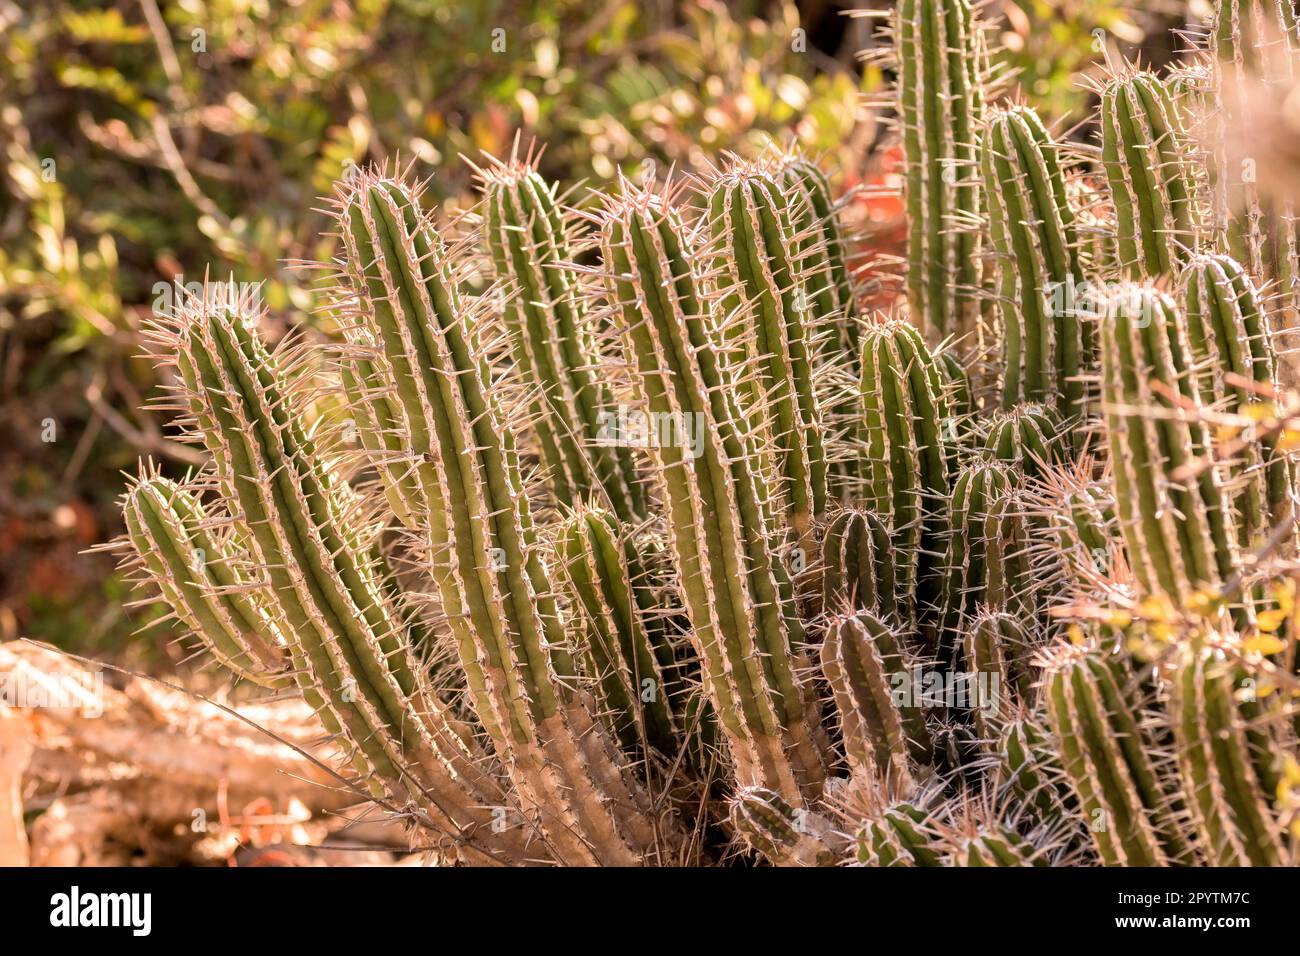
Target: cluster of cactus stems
[[838, 602]]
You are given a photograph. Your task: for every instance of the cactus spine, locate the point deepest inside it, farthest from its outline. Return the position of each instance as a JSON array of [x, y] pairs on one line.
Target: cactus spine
[[529, 239], [1033, 232], [940, 59], [1144, 152], [737, 593]]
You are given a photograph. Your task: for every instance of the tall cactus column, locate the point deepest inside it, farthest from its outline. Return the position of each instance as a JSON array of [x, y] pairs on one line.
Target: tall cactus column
[[1144, 151], [1252, 41], [941, 73], [1228, 332], [746, 632], [418, 333], [767, 314], [1179, 529], [904, 463], [529, 239], [1032, 228]]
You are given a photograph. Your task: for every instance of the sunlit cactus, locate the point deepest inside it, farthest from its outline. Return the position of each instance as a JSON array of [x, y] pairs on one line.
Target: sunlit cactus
[[760, 269], [1128, 799], [942, 72], [417, 331], [1145, 155], [903, 463], [1045, 344], [1174, 513], [529, 238], [737, 591]]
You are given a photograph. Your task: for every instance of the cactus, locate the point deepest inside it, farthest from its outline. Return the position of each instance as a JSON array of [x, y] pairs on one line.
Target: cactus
[[823, 260], [1044, 343], [542, 684], [940, 58], [1030, 771], [863, 661], [1124, 793], [997, 643], [903, 463], [769, 316], [1219, 747], [1180, 532], [528, 238], [628, 652], [200, 577], [858, 566], [1251, 41], [1145, 156], [1027, 436], [1228, 333], [1077, 513], [350, 654], [737, 593], [988, 557], [415, 330], [782, 834]]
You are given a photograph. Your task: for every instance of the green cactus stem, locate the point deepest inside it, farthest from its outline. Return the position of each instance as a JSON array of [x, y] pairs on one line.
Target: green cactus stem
[[1254, 44], [414, 325], [627, 651], [1145, 155], [1029, 437], [737, 593], [824, 252], [1044, 347], [785, 836], [529, 238], [351, 655], [1216, 734], [988, 555], [997, 643], [1180, 531], [1228, 332], [769, 318], [940, 57], [199, 575], [864, 663], [1124, 791], [858, 566], [903, 461]]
